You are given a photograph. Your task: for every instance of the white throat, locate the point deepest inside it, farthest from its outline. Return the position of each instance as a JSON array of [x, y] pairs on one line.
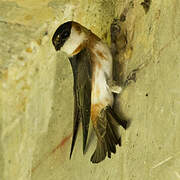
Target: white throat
[[74, 41]]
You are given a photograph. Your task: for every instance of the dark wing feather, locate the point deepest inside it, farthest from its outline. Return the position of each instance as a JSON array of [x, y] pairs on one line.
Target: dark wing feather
[[107, 134], [81, 66]]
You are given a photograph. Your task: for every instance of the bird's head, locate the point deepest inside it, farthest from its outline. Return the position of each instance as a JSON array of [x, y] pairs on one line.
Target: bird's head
[[69, 37]]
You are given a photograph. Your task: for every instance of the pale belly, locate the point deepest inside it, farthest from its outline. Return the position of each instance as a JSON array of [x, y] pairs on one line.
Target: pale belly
[[101, 96], [101, 93]]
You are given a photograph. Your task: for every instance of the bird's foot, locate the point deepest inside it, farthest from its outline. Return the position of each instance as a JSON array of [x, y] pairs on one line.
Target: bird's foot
[[114, 87]]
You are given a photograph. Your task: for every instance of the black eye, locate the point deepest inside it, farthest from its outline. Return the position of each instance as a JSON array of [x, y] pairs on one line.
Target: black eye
[[65, 34]]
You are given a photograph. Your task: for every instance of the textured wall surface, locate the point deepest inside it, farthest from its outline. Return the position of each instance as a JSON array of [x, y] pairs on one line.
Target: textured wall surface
[[36, 98]]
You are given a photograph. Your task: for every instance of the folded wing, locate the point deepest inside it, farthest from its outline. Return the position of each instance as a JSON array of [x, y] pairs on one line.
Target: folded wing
[[81, 66]]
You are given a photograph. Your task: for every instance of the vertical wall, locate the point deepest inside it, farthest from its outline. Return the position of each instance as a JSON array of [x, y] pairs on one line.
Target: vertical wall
[[36, 99]]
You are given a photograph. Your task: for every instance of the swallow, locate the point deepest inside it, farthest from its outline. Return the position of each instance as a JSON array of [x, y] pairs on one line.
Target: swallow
[[91, 62]]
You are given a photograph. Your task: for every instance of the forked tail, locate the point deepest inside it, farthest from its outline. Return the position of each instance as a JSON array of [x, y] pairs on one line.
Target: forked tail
[[107, 134]]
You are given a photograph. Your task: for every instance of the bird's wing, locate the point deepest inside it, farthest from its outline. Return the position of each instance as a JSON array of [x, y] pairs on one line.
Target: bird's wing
[[106, 131], [81, 66]]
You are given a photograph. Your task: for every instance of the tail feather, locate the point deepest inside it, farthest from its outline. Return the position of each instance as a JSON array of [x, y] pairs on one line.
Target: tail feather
[[115, 118], [107, 134]]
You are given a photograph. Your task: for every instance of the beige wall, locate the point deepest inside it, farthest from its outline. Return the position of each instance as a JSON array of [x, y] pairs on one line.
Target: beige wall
[[36, 99]]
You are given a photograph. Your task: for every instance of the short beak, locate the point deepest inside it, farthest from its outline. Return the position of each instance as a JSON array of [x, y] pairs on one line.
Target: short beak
[[56, 47]]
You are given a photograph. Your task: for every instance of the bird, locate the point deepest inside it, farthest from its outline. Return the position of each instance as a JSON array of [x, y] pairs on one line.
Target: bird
[[91, 62]]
